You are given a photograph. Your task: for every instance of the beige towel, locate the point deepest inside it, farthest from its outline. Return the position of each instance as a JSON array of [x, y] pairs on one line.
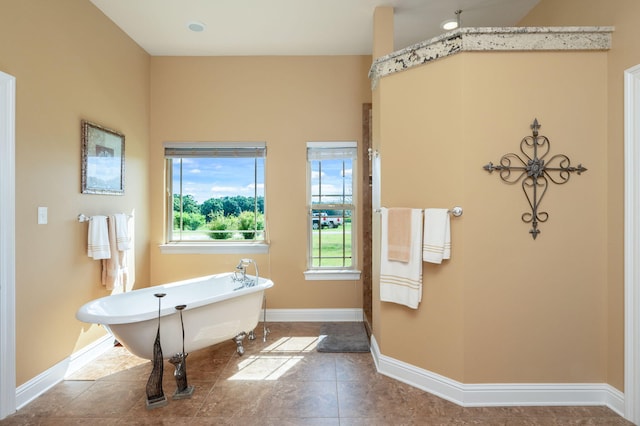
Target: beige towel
[[113, 269], [402, 282], [436, 244], [98, 238], [399, 234]]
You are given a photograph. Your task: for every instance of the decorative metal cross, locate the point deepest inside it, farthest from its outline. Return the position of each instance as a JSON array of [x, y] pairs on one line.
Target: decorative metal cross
[[538, 173]]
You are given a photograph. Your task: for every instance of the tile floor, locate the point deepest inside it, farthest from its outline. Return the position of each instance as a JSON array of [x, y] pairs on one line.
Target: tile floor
[[281, 382]]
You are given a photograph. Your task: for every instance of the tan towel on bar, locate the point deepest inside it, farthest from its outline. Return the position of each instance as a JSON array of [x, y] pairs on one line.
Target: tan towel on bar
[[399, 237]]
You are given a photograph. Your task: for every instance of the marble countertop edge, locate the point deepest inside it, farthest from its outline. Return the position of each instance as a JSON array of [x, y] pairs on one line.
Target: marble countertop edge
[[498, 31]]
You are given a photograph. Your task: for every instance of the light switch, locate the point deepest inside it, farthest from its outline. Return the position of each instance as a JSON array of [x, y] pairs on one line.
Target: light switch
[[42, 215]]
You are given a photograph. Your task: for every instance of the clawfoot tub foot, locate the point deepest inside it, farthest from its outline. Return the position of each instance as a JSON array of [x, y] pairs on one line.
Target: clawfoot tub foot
[[265, 333], [239, 340]]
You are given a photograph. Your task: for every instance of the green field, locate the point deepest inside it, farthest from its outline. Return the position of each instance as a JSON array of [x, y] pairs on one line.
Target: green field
[[332, 247], [330, 238]]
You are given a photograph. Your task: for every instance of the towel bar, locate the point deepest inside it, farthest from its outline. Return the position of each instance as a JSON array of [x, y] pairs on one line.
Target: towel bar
[[85, 218], [455, 211]]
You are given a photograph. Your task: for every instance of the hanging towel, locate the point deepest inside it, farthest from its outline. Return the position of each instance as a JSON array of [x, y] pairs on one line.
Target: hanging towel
[[402, 282], [129, 262], [376, 180], [122, 231], [399, 234], [112, 268], [437, 236], [98, 238]]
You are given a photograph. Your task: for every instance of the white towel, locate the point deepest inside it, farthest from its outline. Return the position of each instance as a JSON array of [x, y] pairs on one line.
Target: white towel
[[436, 245], [98, 238], [129, 263], [122, 231], [402, 282]]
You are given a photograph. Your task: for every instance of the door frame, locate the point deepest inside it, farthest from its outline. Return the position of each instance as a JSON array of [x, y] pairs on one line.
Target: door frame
[[7, 246], [632, 244]]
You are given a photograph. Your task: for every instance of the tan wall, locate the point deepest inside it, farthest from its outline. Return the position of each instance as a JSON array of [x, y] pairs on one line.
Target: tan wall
[[625, 53], [284, 101], [505, 308], [70, 63]]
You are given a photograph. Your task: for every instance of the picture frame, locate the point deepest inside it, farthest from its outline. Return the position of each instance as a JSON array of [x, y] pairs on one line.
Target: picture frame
[[102, 160]]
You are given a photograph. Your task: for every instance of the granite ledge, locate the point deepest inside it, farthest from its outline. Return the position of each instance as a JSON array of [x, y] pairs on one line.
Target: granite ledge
[[491, 39]]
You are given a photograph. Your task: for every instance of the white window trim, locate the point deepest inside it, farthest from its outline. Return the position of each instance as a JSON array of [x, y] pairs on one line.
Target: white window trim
[[211, 247], [335, 274], [331, 275], [187, 144], [333, 144], [215, 248]]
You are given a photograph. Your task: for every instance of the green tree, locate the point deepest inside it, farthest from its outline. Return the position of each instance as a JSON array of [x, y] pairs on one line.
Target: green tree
[[211, 208], [250, 202], [189, 204], [190, 221], [245, 203], [230, 206]]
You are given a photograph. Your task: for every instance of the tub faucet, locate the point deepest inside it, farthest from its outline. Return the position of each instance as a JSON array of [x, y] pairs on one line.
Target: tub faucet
[[242, 270]]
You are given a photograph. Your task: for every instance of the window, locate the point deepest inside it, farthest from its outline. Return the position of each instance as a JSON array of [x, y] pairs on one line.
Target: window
[[332, 209], [215, 193]]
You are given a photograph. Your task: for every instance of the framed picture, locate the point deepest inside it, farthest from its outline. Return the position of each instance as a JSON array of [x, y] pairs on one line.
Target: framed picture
[[102, 160]]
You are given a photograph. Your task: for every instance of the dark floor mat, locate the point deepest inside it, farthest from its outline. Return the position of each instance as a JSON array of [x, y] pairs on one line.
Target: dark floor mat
[[343, 337]]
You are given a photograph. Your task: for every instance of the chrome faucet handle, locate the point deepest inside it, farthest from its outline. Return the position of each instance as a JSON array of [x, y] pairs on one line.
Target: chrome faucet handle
[[242, 268]]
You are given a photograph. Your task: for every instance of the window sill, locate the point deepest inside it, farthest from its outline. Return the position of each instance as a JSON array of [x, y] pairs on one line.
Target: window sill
[[204, 248], [331, 275]]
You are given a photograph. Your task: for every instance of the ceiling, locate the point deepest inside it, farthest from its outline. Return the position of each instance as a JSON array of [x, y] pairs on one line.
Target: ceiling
[[293, 27]]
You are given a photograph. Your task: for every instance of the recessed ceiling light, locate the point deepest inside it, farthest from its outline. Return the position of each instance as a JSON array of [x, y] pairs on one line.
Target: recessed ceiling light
[[196, 27], [452, 24], [449, 24]]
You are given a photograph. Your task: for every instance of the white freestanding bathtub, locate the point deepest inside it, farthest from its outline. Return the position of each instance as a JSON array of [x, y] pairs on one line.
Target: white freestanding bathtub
[[217, 309]]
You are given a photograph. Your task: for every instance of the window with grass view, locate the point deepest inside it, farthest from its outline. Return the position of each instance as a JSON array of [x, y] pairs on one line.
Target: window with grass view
[[217, 192], [331, 173]]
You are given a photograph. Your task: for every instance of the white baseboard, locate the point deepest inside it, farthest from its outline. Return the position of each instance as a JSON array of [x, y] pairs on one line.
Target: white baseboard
[[90, 352], [314, 315], [46, 380], [507, 394]]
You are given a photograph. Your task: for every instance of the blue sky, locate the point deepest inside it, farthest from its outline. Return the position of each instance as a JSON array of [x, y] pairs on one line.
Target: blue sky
[[335, 177], [206, 178]]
